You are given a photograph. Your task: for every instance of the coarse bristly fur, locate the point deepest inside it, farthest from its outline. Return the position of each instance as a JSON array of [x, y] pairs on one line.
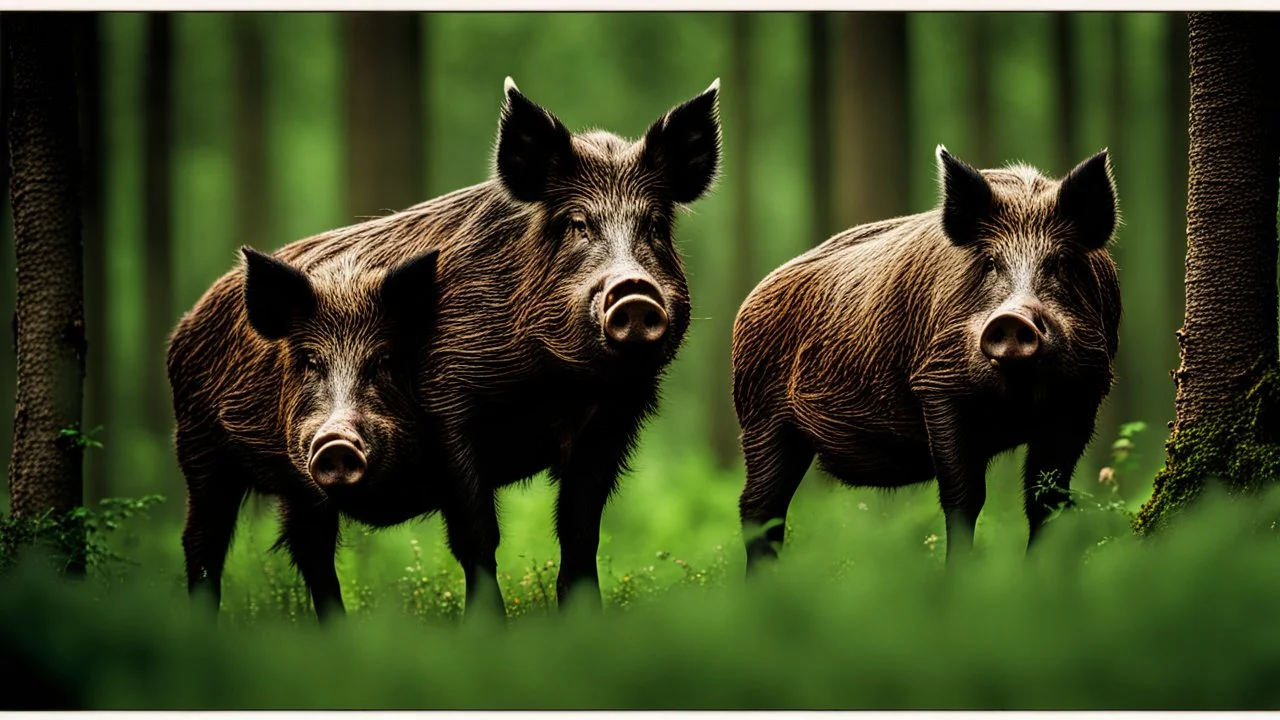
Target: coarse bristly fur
[[516, 374], [258, 366], [865, 350]]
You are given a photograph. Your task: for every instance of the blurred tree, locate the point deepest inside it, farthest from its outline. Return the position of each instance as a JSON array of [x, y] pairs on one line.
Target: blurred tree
[[1228, 383], [1065, 79], [251, 185], [724, 423], [871, 117], [88, 48], [157, 236], [980, 55], [820, 131], [384, 107], [1105, 86], [45, 471]]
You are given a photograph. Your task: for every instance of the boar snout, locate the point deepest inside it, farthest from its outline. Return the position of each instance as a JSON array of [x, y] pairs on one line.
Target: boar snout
[[337, 457], [1013, 335], [633, 313]]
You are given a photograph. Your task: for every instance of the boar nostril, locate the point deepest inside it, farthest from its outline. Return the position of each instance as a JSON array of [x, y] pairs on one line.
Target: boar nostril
[[1010, 337], [337, 460], [633, 313]]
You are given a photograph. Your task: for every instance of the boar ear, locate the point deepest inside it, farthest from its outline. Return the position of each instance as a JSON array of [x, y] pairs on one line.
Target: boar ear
[[1087, 201], [409, 289], [684, 146], [966, 198], [276, 295], [532, 145]]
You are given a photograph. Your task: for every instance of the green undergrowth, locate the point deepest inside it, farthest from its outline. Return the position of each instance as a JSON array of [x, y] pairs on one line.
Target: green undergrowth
[[1182, 620]]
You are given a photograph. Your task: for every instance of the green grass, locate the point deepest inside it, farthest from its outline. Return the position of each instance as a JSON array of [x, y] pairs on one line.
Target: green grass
[[861, 613]]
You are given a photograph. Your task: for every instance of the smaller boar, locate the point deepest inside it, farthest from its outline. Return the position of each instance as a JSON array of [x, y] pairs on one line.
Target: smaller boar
[[301, 386], [923, 346]]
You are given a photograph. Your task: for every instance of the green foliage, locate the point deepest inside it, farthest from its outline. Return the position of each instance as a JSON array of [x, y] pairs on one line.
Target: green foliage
[[1180, 622], [83, 440], [78, 536]]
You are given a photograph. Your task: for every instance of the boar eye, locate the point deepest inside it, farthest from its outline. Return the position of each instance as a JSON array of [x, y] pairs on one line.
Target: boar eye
[[1051, 265], [310, 362], [578, 224], [988, 265]]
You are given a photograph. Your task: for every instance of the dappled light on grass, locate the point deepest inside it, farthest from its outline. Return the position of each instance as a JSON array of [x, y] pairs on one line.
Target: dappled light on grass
[[1182, 620]]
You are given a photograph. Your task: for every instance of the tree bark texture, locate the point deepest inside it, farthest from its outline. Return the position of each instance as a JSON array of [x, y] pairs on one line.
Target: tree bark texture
[[1227, 385], [45, 469], [1230, 323]]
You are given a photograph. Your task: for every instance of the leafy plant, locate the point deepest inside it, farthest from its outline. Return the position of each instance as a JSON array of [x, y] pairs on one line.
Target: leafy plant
[[79, 535], [83, 440]]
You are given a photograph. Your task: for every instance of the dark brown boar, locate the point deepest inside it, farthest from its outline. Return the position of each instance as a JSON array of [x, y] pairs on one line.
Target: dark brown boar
[[300, 385], [923, 346], [562, 301]]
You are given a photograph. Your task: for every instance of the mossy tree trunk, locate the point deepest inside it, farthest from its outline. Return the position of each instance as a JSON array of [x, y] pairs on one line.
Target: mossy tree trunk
[[45, 471], [1228, 383]]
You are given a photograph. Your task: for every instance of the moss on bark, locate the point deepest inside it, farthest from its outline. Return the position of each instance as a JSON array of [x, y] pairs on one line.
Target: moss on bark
[[1239, 448]]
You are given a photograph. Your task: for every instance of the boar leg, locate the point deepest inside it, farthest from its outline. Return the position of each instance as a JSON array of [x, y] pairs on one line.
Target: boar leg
[[471, 528], [587, 477], [1052, 455], [213, 502], [961, 475], [777, 458], [310, 534]]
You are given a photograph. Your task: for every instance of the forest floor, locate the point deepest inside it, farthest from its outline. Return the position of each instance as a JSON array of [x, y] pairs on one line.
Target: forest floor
[[860, 614]]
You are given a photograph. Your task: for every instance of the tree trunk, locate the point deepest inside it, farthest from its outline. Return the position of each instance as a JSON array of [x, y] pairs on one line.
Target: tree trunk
[[980, 52], [1063, 46], [724, 424], [871, 137], [821, 136], [89, 90], [158, 119], [1228, 383], [385, 131], [8, 275], [250, 144], [45, 472], [1179, 88]]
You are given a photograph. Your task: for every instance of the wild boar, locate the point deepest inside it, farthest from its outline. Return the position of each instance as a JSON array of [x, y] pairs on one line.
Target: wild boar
[[922, 346], [300, 385], [562, 301]]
